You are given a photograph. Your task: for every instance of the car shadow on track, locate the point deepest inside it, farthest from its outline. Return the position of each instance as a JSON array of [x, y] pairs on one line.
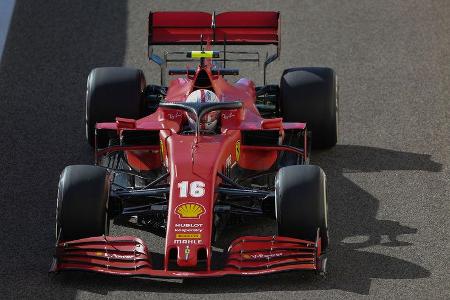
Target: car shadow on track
[[353, 227], [51, 48]]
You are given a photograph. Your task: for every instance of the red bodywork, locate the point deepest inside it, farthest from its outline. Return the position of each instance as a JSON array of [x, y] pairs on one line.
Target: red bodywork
[[190, 159]]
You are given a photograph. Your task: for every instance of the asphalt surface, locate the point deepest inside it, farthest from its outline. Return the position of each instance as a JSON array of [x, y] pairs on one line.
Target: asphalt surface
[[388, 178]]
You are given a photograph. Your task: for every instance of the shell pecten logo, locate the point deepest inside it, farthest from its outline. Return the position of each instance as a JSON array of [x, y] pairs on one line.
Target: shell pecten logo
[[190, 210]]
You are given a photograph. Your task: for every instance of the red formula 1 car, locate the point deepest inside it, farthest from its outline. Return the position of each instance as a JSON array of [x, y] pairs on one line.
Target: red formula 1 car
[[187, 157]]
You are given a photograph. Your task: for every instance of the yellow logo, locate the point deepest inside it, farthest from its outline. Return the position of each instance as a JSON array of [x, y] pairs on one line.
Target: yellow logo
[[161, 147], [190, 210], [188, 236], [238, 150]]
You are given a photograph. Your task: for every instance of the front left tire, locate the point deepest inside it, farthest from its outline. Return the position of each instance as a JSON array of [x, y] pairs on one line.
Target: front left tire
[[82, 202]]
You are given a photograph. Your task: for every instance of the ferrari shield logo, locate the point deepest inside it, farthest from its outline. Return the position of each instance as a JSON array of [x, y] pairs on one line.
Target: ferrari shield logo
[[161, 147], [238, 150], [186, 253]]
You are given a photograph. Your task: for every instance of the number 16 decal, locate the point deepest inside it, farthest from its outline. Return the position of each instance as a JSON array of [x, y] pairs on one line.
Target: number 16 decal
[[195, 189]]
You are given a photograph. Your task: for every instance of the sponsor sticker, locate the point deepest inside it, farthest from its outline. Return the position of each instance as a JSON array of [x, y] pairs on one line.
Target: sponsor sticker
[[188, 236], [188, 225], [265, 256], [174, 115], [119, 256], [190, 210], [187, 242], [261, 256], [114, 256], [203, 54], [188, 230], [227, 116]]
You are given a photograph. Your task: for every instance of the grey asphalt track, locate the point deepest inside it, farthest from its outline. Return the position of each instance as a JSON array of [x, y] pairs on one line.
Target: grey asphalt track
[[388, 178]]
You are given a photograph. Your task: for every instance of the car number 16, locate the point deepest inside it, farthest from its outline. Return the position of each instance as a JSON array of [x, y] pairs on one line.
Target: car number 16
[[195, 189]]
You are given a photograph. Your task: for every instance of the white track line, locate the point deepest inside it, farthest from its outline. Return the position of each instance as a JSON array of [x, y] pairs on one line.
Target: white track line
[[6, 12]]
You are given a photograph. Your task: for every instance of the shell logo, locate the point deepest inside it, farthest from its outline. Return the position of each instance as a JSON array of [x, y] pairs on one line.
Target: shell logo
[[190, 210]]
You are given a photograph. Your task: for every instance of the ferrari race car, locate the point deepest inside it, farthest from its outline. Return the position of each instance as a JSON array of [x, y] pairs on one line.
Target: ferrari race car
[[188, 157]]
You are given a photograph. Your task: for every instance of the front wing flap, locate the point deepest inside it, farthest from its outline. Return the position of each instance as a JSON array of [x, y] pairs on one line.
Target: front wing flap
[[129, 256]]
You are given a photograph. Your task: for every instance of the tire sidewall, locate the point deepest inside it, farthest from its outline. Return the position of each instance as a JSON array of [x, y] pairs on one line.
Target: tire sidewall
[[311, 95], [300, 202], [82, 202], [113, 92]]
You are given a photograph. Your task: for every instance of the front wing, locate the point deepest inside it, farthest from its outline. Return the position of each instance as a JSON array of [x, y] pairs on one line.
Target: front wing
[[129, 256]]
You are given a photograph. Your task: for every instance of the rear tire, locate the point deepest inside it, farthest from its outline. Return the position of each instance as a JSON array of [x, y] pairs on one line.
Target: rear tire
[[113, 92], [311, 95], [82, 202], [301, 204]]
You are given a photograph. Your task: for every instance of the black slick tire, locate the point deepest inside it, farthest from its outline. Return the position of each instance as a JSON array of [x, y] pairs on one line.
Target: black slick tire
[[301, 204], [311, 95], [82, 202], [113, 92]]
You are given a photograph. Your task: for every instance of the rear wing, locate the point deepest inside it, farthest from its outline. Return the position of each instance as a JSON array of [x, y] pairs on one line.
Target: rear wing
[[238, 28], [228, 28]]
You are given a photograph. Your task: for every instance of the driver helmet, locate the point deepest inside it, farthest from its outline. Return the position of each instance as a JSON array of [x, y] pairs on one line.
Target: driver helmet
[[209, 120]]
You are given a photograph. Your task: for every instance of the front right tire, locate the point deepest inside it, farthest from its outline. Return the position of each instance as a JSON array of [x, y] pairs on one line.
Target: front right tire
[[311, 95], [301, 203]]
